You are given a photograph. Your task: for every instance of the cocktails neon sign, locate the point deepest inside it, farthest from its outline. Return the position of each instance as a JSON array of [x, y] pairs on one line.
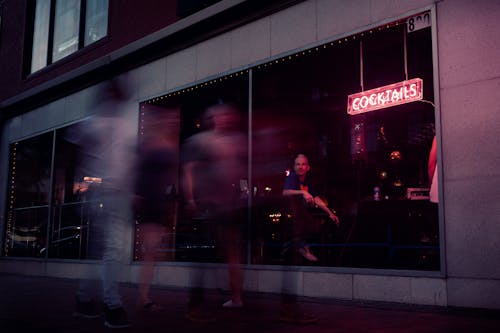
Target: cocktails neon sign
[[384, 97]]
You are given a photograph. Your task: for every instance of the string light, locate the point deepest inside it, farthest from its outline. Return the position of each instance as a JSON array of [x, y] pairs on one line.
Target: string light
[[10, 215], [340, 41]]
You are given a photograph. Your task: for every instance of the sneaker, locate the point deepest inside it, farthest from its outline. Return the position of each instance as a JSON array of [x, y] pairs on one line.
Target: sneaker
[[199, 316], [87, 310], [297, 317], [306, 253], [232, 305], [115, 318]]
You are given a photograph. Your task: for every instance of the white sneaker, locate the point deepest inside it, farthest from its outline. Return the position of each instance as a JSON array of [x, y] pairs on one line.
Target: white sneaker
[[232, 305]]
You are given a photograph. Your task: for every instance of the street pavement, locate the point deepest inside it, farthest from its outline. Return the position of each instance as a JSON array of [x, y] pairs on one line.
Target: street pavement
[[41, 304]]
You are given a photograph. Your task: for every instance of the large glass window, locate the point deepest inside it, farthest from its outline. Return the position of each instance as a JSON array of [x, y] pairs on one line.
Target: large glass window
[[370, 168], [214, 157], [198, 210], [71, 208], [28, 197], [61, 28]]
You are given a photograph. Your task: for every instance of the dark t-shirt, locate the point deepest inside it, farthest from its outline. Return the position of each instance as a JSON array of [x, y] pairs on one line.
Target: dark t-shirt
[[292, 182], [220, 164]]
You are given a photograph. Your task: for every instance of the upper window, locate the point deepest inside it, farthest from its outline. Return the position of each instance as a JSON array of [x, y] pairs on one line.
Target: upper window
[[61, 28]]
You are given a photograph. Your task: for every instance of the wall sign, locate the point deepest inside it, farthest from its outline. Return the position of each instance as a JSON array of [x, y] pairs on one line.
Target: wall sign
[[418, 22], [386, 96]]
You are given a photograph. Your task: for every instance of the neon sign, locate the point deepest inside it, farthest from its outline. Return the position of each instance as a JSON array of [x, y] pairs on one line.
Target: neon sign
[[386, 96]]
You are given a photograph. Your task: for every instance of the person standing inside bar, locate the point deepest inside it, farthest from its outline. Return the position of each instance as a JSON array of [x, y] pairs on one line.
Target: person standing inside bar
[[301, 197]]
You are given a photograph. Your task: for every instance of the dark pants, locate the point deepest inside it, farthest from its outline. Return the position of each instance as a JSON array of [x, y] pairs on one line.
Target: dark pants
[[302, 228]]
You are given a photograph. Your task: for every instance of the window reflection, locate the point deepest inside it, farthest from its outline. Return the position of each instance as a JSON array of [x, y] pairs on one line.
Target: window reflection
[[367, 166], [29, 232], [66, 26], [157, 183], [62, 25], [372, 168], [71, 210], [40, 35], [96, 20], [29, 188], [192, 236]]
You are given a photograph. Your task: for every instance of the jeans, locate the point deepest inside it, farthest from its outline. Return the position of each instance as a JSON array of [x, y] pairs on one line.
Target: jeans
[[111, 217]]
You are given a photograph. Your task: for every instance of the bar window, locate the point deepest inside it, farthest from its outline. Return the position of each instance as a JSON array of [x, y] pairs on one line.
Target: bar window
[[215, 149], [370, 168], [29, 197]]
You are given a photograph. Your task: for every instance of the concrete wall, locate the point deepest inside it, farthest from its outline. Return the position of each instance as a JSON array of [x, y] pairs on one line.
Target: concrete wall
[[470, 114], [469, 79]]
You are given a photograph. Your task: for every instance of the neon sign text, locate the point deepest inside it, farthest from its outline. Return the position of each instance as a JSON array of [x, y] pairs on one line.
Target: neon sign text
[[384, 97]]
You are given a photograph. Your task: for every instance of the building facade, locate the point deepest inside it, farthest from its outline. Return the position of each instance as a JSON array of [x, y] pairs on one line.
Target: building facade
[[366, 89]]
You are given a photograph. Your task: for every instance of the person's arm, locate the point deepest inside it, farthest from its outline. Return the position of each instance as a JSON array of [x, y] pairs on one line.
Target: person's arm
[[432, 160], [321, 204], [306, 195]]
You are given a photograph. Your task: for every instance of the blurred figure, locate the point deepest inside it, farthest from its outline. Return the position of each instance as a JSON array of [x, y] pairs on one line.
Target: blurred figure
[[433, 172], [301, 198], [106, 143], [155, 194], [430, 228], [214, 164]]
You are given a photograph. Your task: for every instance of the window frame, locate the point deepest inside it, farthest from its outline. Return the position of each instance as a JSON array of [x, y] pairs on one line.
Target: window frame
[[29, 39], [442, 269], [311, 48]]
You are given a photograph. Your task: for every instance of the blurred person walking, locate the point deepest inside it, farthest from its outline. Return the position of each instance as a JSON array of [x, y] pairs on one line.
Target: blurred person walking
[[155, 200], [214, 164], [107, 150]]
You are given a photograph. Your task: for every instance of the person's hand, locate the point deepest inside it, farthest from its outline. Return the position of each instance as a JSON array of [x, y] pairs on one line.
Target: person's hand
[[309, 199], [334, 218]]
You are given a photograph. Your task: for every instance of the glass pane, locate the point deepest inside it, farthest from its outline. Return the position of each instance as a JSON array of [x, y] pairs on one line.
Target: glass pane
[[66, 27], [40, 35], [203, 191], [68, 236], [93, 164], [28, 232], [157, 185], [29, 188], [30, 171], [364, 166], [96, 20]]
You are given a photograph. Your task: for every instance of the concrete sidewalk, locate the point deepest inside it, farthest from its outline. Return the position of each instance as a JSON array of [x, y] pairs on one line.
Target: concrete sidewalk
[[39, 304]]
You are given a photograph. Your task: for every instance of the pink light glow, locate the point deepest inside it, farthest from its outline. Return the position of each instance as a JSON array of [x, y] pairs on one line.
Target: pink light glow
[[386, 96]]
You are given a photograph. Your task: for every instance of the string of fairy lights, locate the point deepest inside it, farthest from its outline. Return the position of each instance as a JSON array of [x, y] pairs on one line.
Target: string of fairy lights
[[10, 214], [281, 60], [339, 42]]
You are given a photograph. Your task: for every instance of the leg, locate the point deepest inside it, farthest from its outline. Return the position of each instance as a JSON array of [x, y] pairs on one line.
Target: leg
[[152, 238], [233, 257]]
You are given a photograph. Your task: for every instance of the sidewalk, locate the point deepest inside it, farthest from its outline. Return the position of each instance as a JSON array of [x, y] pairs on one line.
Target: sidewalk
[[38, 304]]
